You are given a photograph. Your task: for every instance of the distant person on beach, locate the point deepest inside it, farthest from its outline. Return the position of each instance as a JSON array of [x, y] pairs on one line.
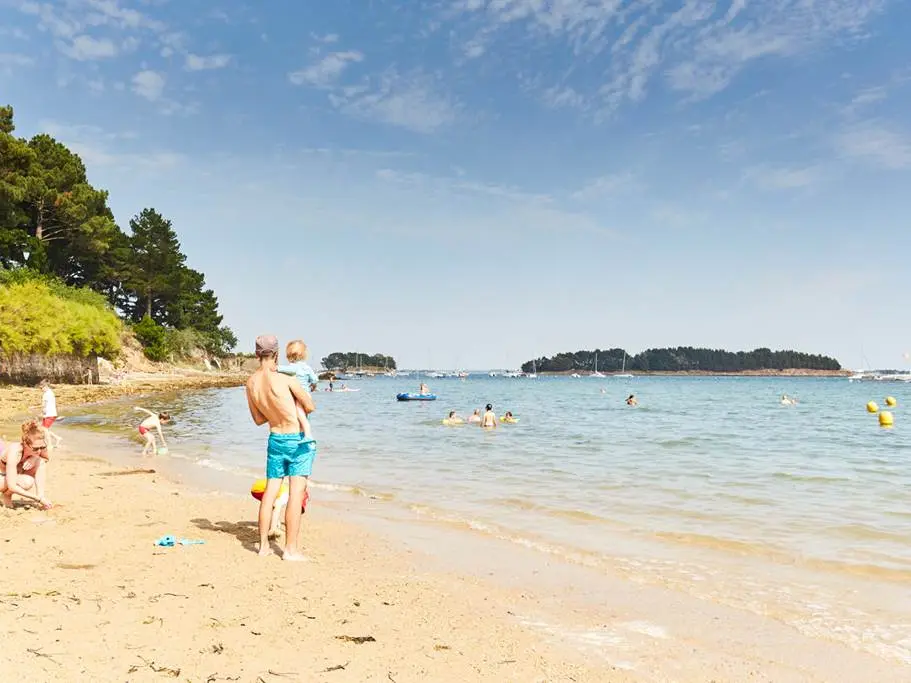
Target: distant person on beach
[[273, 397], [146, 427], [475, 417], [424, 389], [631, 401], [296, 352], [489, 421], [23, 467], [49, 411]]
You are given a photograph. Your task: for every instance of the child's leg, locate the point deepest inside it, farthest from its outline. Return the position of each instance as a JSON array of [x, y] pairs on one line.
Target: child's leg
[[304, 422], [149, 448]]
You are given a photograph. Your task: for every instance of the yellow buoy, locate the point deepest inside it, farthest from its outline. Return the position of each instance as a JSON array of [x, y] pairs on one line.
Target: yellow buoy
[[891, 402], [872, 407], [259, 487], [886, 419]]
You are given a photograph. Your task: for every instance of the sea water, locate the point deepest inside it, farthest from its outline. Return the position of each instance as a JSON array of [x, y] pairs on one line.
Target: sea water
[[709, 485]]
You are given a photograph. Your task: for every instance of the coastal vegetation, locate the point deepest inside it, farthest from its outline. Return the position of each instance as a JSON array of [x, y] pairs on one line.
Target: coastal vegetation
[[60, 243], [352, 360], [682, 359]]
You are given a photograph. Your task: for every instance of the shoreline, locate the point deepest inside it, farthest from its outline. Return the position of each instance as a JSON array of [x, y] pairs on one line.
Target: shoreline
[[20, 402], [440, 604], [362, 608], [707, 373]]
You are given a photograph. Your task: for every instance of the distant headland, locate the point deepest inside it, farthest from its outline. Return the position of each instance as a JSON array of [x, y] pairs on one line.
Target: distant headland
[[687, 360], [346, 361]]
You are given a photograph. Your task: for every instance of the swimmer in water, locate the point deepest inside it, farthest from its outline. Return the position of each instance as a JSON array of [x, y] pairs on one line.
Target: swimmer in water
[[475, 417], [489, 421], [631, 401], [788, 401], [453, 419], [424, 389], [508, 417]]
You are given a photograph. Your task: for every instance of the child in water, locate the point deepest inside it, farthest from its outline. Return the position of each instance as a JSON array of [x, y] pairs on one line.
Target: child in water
[[631, 401], [153, 421], [475, 417], [297, 354]]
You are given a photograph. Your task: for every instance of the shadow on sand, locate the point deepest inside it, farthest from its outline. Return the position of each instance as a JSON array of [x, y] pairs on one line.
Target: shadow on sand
[[246, 532]]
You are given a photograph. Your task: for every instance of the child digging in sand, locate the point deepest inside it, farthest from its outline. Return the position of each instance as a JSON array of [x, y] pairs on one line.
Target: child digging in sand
[[152, 422]]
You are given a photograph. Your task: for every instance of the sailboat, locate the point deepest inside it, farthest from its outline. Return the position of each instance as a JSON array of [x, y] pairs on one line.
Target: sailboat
[[596, 373], [623, 374], [534, 371]]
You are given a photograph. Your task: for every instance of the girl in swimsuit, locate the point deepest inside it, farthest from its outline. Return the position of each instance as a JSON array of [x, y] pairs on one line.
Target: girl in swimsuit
[[23, 467], [152, 422]]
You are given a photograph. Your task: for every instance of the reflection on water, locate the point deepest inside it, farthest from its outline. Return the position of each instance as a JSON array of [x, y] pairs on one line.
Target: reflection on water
[[708, 476]]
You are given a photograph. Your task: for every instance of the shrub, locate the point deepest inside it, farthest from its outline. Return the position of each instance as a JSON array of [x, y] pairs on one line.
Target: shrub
[[34, 318], [153, 337]]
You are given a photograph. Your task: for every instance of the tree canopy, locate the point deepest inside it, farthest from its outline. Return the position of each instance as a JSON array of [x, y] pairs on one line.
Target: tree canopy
[[353, 359], [53, 221], [681, 359]]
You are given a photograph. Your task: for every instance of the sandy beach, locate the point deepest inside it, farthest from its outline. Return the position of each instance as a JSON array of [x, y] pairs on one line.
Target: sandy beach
[[88, 596]]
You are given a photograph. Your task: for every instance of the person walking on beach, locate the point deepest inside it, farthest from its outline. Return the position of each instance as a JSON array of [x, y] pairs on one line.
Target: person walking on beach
[[273, 398], [489, 421], [152, 422], [49, 412]]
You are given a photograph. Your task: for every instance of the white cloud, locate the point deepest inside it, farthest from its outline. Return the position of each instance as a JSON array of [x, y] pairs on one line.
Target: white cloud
[[610, 185], [784, 178], [198, 63], [149, 84], [877, 143], [85, 48], [97, 147], [699, 46], [410, 101], [460, 185], [558, 97], [327, 70], [11, 59]]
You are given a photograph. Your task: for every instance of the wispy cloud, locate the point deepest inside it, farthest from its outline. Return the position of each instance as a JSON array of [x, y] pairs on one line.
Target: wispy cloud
[[194, 62], [149, 84], [611, 185], [460, 185], [784, 178], [877, 143], [94, 146], [327, 70], [414, 101], [85, 48], [697, 47], [11, 59]]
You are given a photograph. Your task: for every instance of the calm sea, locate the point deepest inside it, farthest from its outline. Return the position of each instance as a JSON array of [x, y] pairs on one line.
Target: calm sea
[[709, 485]]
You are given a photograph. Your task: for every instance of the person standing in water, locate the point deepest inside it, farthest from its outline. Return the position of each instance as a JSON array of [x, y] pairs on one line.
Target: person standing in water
[[489, 421], [273, 398], [153, 421]]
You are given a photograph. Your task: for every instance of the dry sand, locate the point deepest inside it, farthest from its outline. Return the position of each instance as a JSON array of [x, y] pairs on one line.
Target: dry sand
[[87, 596]]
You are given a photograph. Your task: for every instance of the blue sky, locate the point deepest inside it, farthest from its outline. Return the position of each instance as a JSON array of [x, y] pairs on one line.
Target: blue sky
[[476, 182]]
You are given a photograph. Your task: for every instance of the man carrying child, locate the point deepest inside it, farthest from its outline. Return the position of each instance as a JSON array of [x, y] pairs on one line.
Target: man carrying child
[[279, 400]]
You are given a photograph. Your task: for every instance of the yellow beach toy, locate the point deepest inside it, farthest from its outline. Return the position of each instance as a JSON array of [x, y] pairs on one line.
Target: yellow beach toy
[[453, 421], [509, 419], [259, 488]]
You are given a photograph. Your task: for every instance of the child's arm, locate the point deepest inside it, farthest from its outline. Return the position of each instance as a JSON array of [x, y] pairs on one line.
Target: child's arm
[[287, 369], [145, 410]]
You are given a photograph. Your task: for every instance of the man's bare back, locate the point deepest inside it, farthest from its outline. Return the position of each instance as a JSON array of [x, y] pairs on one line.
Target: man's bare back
[[271, 397]]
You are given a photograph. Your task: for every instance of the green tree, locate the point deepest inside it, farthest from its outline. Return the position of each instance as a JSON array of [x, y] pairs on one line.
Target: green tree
[[154, 271]]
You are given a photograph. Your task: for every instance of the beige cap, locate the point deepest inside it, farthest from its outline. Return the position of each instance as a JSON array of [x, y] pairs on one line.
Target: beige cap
[[266, 345]]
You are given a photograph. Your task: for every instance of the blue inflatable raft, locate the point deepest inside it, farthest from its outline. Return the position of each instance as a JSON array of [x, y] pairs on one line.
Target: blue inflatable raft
[[408, 396]]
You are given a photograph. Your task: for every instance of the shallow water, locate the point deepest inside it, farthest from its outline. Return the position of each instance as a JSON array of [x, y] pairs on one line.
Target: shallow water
[[709, 486]]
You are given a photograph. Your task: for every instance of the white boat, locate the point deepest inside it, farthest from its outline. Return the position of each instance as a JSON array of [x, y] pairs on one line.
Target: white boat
[[596, 373], [493, 373], [623, 374], [534, 371], [576, 375], [436, 375], [512, 374]]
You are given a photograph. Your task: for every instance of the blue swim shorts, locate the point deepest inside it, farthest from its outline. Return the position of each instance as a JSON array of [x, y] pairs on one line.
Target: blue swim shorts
[[289, 455]]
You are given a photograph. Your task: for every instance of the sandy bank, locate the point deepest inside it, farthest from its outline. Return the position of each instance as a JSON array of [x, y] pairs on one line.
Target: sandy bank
[[87, 596], [18, 401]]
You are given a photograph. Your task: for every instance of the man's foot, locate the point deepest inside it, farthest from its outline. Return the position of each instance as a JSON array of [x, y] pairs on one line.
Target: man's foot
[[265, 552], [294, 557]]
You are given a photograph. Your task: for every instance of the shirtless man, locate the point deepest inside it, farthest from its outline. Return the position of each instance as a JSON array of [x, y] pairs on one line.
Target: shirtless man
[[271, 397]]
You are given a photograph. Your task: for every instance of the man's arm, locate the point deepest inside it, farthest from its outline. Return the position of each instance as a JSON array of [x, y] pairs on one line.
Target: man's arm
[[301, 396], [255, 413]]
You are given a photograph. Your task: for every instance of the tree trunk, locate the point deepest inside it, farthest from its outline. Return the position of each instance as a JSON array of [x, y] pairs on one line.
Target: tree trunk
[[149, 302]]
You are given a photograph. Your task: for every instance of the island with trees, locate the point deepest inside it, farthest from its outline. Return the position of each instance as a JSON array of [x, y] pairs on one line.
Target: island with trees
[[352, 361], [686, 359], [74, 283]]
